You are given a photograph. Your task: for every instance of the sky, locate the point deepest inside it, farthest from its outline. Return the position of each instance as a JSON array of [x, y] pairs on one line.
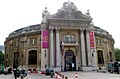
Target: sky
[[16, 14]]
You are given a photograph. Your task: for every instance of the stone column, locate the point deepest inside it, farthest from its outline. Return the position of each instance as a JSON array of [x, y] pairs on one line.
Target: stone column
[[51, 49], [83, 48], [58, 54], [88, 48]]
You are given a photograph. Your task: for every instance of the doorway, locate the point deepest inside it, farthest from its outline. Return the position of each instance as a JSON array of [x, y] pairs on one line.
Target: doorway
[[100, 57], [32, 57], [70, 62], [16, 60]]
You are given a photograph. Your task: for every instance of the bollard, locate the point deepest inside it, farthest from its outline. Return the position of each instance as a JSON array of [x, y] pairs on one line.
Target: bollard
[[62, 76], [76, 76], [66, 77], [55, 76], [21, 77]]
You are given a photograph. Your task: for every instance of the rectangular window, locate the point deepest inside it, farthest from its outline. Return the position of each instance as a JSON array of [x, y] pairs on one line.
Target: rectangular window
[[68, 38], [31, 40], [72, 38], [100, 42], [97, 41], [64, 38], [35, 40]]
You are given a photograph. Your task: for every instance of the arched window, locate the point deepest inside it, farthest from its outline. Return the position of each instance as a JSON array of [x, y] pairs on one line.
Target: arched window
[[68, 38]]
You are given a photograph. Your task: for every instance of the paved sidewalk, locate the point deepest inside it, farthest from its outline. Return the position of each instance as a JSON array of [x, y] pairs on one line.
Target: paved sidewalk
[[23, 77], [71, 75], [91, 75]]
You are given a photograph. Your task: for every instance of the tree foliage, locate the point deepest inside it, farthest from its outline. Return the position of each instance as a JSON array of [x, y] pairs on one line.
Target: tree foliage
[[1, 57], [117, 54]]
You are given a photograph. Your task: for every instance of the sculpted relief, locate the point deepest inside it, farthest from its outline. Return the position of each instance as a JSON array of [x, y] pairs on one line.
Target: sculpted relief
[[69, 11]]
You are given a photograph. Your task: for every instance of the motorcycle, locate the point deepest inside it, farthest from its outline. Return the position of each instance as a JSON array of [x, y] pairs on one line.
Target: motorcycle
[[23, 73], [52, 73]]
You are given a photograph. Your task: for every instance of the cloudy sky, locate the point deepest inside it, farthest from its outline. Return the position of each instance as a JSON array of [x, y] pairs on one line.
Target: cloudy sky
[[15, 14]]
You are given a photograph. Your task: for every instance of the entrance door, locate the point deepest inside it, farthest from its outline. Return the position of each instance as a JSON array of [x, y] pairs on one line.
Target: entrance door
[[16, 60], [70, 63]]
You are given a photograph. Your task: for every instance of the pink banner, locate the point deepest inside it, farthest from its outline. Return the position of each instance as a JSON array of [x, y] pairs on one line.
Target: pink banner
[[45, 39], [91, 35]]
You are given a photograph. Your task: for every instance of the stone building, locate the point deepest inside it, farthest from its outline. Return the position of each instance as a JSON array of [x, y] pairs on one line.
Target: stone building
[[67, 40]]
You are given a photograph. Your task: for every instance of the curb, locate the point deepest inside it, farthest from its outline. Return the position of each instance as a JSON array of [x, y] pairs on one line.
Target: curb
[[23, 78]]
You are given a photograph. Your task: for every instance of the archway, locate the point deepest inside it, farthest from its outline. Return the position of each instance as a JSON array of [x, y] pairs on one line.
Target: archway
[[100, 57], [16, 60], [70, 61], [32, 57], [110, 55]]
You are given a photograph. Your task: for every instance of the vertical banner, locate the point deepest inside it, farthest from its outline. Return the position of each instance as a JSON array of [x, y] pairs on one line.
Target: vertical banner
[[45, 39], [91, 35]]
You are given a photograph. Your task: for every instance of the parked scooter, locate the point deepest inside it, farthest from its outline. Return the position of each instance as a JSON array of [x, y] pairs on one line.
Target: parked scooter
[[16, 72], [52, 73], [23, 73]]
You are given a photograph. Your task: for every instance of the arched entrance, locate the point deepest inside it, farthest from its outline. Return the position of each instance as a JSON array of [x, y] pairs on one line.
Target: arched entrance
[[110, 55], [16, 60], [70, 62], [100, 57], [32, 57]]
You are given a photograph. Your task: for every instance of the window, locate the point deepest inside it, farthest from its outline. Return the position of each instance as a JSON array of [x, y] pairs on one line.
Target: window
[[64, 38], [98, 41], [33, 40], [69, 38], [15, 43], [72, 38]]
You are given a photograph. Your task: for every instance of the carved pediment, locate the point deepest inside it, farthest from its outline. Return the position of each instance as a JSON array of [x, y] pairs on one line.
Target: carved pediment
[[70, 11]]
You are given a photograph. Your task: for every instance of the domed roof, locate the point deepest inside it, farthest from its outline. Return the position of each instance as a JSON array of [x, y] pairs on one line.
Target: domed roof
[[31, 28]]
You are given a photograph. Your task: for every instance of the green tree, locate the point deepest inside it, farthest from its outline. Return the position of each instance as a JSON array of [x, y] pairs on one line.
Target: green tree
[[117, 54], [1, 57]]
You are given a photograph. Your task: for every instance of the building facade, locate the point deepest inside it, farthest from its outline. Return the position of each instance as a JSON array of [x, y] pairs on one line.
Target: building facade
[[65, 41]]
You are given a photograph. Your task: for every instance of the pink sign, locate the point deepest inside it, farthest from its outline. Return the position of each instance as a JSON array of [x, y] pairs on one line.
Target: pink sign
[[91, 35], [45, 39]]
